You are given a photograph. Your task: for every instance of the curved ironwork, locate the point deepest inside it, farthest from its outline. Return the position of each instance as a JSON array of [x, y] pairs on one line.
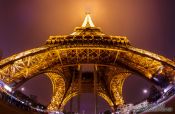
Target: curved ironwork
[[86, 45]]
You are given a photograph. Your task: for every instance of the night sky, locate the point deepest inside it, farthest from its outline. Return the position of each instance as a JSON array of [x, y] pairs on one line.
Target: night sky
[[148, 24]]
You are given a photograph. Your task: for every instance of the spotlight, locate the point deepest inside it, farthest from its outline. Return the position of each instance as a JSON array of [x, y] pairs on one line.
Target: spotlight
[[22, 89], [145, 91]]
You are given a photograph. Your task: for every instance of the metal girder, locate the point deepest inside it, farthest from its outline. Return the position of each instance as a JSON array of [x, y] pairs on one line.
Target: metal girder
[[116, 87], [58, 84], [143, 64], [21, 55], [151, 55], [115, 77], [103, 92], [29, 64], [73, 91]]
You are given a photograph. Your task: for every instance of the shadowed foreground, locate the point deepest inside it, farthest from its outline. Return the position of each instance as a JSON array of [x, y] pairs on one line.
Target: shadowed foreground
[[8, 109]]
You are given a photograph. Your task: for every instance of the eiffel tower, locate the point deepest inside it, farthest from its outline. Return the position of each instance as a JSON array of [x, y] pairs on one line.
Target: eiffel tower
[[86, 61]]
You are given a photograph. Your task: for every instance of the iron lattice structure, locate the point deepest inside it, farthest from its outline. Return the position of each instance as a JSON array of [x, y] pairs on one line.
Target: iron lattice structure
[[65, 60]]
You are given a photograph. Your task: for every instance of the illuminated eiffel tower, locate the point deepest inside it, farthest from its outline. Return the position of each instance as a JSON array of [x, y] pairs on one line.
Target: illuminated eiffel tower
[[86, 61]]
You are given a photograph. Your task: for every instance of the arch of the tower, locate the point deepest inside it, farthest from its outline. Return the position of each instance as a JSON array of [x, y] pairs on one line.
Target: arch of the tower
[[52, 61], [113, 97], [100, 94], [26, 63]]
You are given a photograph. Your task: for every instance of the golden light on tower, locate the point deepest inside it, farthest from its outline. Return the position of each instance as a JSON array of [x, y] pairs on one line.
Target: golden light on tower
[[88, 21]]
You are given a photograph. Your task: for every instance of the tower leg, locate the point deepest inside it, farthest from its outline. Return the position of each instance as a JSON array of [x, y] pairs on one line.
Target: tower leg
[[95, 88], [72, 84], [79, 87]]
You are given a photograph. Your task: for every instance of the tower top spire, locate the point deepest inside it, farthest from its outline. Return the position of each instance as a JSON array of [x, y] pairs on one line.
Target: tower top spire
[[88, 21]]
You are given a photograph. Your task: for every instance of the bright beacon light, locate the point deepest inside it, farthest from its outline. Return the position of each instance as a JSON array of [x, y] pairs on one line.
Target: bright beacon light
[[88, 21]]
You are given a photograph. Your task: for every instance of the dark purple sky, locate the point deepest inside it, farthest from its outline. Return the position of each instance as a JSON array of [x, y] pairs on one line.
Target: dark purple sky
[[148, 24]]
